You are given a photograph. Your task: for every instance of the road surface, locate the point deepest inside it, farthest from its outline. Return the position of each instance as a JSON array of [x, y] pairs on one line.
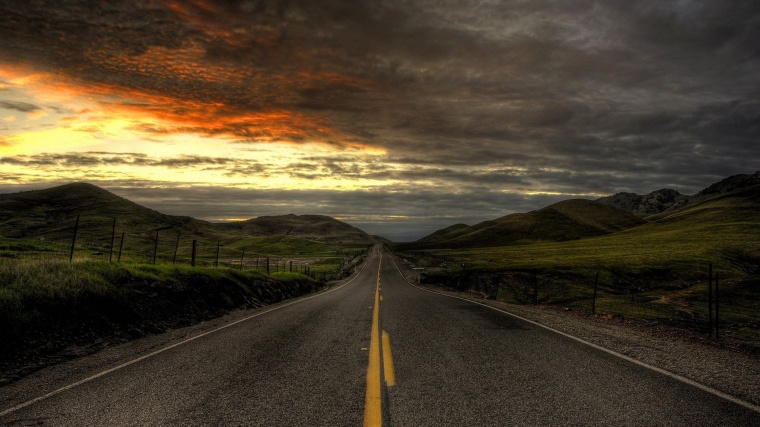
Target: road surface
[[308, 364]]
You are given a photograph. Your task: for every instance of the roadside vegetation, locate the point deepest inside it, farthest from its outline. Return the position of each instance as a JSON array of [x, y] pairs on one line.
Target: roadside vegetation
[[51, 308], [657, 272]]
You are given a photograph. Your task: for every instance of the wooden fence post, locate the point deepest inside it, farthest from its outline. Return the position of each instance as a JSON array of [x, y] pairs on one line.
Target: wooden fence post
[[717, 311], [121, 246], [710, 300], [216, 263], [596, 285], [74, 240], [113, 237], [176, 248], [155, 249], [194, 253]]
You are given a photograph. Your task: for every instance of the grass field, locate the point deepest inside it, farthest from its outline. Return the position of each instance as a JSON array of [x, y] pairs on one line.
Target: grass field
[[656, 272], [50, 307], [49, 304], [251, 252]]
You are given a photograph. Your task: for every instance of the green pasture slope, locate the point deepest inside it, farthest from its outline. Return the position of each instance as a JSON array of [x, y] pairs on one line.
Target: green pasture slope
[[656, 271], [708, 232]]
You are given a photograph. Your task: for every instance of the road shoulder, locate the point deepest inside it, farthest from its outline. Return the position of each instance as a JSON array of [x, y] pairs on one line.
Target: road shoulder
[[729, 370]]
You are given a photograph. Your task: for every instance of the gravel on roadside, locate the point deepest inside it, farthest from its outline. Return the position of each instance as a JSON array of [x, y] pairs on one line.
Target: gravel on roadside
[[731, 370]]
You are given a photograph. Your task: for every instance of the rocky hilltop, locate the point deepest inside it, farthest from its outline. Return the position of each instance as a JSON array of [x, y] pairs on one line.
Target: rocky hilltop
[[651, 203], [667, 199]]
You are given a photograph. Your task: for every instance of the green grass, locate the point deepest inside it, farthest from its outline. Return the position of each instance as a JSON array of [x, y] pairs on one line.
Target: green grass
[[656, 272], [49, 280], [39, 286], [282, 245], [47, 305], [652, 245]]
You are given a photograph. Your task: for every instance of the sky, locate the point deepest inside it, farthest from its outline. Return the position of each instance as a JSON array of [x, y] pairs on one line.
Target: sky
[[400, 117]]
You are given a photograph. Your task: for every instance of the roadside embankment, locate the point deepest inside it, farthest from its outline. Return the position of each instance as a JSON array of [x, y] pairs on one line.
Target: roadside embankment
[[52, 310]]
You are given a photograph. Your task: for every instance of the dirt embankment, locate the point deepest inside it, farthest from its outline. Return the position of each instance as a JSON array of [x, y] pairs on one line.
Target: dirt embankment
[[48, 329]]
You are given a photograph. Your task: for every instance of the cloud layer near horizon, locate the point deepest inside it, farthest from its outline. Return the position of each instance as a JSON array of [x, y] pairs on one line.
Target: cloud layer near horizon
[[480, 103]]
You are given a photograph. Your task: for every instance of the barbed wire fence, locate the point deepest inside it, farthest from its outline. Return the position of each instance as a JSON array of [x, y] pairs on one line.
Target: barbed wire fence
[[720, 303], [105, 239]]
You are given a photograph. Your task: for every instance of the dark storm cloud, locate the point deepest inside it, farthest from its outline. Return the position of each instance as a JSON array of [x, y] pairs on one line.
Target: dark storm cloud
[[23, 107], [504, 72], [230, 166]]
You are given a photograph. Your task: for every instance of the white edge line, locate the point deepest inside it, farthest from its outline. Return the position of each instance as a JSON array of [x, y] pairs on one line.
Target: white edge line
[[677, 377], [157, 352]]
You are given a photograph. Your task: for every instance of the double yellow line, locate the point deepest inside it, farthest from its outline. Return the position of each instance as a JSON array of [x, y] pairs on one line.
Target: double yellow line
[[373, 401]]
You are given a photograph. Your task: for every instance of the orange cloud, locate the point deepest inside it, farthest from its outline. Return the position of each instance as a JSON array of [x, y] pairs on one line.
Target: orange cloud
[[182, 87], [158, 113], [212, 20]]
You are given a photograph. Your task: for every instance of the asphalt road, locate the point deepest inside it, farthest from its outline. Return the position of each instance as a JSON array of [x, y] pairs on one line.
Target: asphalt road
[[306, 364]]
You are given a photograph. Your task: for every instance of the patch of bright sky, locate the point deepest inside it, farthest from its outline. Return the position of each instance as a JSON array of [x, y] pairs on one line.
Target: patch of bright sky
[[49, 127]]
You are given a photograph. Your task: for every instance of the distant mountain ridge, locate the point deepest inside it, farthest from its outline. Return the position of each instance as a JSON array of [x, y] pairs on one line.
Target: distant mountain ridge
[[50, 213], [318, 227], [732, 197], [566, 220], [667, 199]]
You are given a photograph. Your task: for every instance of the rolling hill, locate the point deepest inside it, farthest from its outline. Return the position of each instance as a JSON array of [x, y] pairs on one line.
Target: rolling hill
[[737, 206], [442, 233], [725, 201], [313, 227], [668, 199], [724, 230], [50, 215], [567, 220]]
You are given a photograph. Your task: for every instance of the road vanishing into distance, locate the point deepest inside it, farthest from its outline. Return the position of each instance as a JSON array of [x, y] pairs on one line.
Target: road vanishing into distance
[[331, 360]]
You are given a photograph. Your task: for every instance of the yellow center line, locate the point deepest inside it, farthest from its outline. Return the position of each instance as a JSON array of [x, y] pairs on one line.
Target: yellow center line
[[373, 399], [388, 370], [380, 364]]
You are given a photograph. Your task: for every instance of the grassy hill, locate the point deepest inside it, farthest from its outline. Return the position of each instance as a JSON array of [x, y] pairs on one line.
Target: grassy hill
[[442, 233], [45, 220], [669, 199], [695, 233], [655, 272], [737, 206], [566, 220], [313, 227], [50, 214]]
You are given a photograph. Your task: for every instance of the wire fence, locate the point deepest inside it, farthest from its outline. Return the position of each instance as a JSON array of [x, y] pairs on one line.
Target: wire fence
[[721, 304], [106, 239]]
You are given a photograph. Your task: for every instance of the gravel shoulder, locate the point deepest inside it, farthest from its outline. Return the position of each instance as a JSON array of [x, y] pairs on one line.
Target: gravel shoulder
[[731, 370]]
